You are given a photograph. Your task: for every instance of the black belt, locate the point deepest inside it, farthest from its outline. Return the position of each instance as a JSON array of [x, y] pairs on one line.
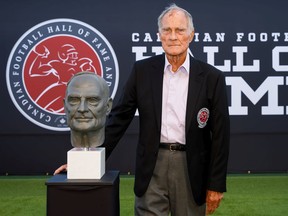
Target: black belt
[[173, 146]]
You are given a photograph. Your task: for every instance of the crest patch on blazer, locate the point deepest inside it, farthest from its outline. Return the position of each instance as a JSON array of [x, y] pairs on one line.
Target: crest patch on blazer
[[202, 117]]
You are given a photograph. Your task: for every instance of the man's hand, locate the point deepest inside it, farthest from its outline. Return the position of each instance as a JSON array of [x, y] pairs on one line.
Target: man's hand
[[61, 169], [213, 200]]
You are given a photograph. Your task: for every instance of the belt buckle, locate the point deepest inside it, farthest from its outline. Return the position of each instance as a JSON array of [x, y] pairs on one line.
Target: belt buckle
[[171, 145]]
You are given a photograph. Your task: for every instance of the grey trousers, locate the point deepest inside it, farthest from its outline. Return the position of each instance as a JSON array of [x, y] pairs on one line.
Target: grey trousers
[[169, 190]]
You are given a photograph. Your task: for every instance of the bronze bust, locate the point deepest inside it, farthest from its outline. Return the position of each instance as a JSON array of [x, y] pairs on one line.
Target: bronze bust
[[87, 104]]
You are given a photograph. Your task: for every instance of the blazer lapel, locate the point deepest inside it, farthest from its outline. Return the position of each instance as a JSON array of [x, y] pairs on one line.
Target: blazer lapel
[[157, 87], [194, 87]]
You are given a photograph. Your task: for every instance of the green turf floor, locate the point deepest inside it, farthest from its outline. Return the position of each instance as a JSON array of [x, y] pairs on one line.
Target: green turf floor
[[248, 195]]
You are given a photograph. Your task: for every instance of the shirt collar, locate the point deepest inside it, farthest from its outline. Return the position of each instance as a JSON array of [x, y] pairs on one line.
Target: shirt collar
[[185, 65]]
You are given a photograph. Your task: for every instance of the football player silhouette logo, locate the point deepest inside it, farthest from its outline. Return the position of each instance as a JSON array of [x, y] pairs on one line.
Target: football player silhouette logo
[[61, 65]]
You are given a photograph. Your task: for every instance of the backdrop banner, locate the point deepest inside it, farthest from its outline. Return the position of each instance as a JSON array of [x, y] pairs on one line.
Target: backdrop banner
[[43, 44]]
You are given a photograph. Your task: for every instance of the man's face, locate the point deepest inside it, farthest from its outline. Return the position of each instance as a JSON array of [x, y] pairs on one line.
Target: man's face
[[174, 34], [85, 104]]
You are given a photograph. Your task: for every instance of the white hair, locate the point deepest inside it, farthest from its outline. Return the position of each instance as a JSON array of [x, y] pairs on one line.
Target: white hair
[[173, 7]]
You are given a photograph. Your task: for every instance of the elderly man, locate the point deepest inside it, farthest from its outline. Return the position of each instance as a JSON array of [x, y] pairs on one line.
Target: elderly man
[[182, 153]]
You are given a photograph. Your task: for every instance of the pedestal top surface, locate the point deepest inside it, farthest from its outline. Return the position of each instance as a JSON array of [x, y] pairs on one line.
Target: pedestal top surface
[[61, 179]]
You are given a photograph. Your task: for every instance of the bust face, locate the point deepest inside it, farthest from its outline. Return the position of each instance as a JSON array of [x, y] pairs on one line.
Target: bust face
[[86, 104]]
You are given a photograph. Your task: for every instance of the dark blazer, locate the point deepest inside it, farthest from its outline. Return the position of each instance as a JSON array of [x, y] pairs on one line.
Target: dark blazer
[[207, 146]]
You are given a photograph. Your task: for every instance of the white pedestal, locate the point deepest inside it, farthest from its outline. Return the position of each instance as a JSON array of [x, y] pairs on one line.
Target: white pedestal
[[86, 164]]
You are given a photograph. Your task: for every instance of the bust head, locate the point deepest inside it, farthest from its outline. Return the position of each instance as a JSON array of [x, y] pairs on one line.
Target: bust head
[[87, 104]]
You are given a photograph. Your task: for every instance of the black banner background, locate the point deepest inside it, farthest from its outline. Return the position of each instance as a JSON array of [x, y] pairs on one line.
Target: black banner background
[[258, 142]]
